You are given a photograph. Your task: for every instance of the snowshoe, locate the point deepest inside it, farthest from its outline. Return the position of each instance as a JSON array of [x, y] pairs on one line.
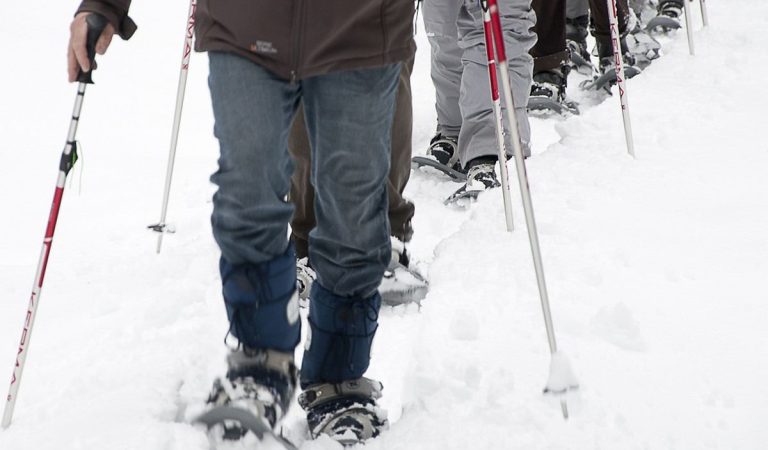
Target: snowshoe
[[643, 47], [252, 399], [668, 17], [400, 284], [481, 176], [608, 77], [346, 411], [442, 155]]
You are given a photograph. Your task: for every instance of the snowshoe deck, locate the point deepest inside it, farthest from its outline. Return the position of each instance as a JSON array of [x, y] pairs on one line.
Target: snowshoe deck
[[662, 23], [541, 105], [246, 419], [425, 161], [459, 197], [581, 65], [404, 286], [607, 79]]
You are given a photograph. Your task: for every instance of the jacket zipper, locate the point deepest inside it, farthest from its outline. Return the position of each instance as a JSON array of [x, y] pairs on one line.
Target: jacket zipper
[[299, 35]]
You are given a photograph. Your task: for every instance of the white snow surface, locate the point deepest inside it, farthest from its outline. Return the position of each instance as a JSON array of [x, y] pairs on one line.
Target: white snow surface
[[656, 267]]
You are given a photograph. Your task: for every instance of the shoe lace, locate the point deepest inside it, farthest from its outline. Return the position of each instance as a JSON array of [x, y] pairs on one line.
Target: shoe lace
[[239, 309]]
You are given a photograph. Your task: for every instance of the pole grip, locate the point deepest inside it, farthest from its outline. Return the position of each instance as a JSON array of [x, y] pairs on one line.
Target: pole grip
[[96, 24]]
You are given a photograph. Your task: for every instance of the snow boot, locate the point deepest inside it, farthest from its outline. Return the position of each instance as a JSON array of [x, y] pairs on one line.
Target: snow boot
[[345, 411], [671, 8], [253, 397], [607, 64], [576, 31], [548, 92], [481, 174], [304, 278], [445, 150]]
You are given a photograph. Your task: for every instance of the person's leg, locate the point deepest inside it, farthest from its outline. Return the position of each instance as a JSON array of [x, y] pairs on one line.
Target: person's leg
[[253, 110], [550, 52], [349, 117], [576, 8], [401, 211], [440, 24], [302, 193], [478, 132], [601, 29]]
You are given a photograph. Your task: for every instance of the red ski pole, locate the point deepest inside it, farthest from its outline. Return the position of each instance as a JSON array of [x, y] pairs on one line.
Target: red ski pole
[[621, 80], [496, 101], [561, 378], [96, 24]]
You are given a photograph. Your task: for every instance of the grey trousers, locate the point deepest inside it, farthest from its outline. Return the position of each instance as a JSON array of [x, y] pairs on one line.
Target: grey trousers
[[460, 71]]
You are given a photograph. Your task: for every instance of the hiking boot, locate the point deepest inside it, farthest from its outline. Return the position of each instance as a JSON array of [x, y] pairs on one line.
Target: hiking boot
[[481, 174], [261, 383], [445, 150]]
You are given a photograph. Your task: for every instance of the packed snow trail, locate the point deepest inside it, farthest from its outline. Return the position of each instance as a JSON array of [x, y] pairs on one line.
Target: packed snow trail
[[655, 266]]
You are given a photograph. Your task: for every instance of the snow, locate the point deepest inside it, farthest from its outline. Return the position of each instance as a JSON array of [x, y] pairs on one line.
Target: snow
[[656, 267]]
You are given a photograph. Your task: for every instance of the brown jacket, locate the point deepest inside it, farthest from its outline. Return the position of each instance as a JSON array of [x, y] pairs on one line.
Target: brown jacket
[[294, 38]]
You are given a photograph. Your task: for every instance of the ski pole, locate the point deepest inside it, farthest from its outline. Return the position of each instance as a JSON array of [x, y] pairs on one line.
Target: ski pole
[[499, 124], [689, 27], [161, 227], [96, 24], [557, 358], [704, 16], [618, 61]]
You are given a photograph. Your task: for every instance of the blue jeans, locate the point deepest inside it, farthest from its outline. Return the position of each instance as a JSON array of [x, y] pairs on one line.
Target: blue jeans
[[348, 116]]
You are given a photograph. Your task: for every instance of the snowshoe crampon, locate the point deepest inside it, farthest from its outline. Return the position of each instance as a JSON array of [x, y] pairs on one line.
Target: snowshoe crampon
[[229, 423], [608, 79]]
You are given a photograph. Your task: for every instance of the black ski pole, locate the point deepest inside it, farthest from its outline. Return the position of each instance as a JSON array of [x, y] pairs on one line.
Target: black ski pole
[[96, 25]]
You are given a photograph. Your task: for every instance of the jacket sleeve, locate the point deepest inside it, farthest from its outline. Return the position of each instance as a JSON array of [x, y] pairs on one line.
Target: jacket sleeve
[[116, 12]]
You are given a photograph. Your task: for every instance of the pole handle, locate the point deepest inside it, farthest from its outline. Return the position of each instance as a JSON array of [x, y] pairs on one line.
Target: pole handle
[[96, 24]]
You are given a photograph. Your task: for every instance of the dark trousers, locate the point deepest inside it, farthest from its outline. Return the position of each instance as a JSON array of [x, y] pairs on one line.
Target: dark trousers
[[302, 194], [550, 50], [600, 24]]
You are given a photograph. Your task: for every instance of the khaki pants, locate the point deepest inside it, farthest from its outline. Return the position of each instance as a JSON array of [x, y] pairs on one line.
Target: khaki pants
[[303, 194]]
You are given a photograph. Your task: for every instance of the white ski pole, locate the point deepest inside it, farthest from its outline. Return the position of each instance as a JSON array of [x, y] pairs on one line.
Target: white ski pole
[[506, 194], [559, 382], [704, 16], [689, 27], [161, 227], [618, 60], [96, 24]]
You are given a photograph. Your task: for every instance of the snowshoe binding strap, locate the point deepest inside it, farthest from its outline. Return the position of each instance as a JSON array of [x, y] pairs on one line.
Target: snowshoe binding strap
[[320, 394], [346, 411]]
